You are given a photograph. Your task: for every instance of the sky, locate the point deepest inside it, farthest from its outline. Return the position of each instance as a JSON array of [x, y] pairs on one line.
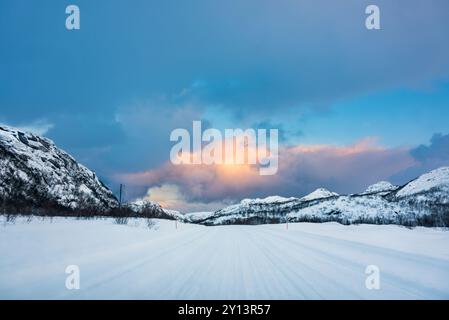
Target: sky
[[353, 106]]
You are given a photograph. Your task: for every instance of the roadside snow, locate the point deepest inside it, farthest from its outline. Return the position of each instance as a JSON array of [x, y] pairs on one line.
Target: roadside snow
[[172, 260]]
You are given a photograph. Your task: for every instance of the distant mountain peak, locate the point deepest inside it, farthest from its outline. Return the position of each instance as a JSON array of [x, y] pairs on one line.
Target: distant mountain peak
[[147, 208], [270, 199], [380, 187], [438, 178], [423, 201], [319, 193]]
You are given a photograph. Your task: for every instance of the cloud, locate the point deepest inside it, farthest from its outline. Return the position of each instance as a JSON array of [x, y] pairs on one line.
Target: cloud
[[39, 127], [87, 131], [169, 196], [201, 182], [148, 124], [302, 168], [427, 157], [438, 150], [344, 169], [278, 62], [249, 60]]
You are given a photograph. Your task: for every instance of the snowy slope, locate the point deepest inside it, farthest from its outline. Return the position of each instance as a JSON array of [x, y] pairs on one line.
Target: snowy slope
[[194, 217], [319, 193], [185, 261], [267, 200], [382, 187], [35, 173], [250, 212], [423, 201], [146, 208], [436, 181], [354, 209]]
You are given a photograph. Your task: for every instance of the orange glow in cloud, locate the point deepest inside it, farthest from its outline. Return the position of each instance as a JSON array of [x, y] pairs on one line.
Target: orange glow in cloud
[[298, 166], [244, 175], [246, 153]]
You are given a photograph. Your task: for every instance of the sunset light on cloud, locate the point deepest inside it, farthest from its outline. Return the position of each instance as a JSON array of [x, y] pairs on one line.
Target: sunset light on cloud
[[206, 185], [347, 101]]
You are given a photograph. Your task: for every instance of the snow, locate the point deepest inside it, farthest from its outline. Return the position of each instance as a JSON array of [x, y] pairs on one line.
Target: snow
[[84, 189], [420, 202], [175, 214], [433, 179], [267, 200], [141, 204], [381, 186], [172, 260], [319, 193], [351, 209], [197, 216]]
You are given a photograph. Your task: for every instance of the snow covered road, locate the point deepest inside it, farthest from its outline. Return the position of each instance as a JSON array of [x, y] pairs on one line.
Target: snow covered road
[[305, 261]]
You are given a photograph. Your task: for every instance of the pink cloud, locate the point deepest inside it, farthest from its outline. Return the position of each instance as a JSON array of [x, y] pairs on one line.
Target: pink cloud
[[302, 168]]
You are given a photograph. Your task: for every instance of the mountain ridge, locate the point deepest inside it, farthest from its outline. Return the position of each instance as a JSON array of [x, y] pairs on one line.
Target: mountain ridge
[[35, 175], [382, 203]]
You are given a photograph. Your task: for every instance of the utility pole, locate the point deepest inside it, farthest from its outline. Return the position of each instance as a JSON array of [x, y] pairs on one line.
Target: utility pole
[[120, 197]]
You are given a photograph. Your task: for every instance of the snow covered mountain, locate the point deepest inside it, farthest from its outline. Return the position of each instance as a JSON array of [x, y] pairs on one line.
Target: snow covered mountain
[[35, 174], [271, 199], [435, 182], [383, 187], [146, 208], [319, 193], [423, 201]]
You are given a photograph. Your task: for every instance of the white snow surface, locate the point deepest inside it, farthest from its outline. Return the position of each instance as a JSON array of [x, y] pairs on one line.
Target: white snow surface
[[420, 202], [350, 209], [267, 200], [196, 216], [140, 205], [319, 193], [438, 178], [381, 187], [172, 260]]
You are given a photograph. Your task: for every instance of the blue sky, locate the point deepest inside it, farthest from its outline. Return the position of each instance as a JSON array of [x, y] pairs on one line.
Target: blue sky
[[111, 92]]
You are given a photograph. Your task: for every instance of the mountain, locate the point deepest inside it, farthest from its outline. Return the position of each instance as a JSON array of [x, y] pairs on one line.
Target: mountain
[[423, 201], [271, 199], [146, 208], [383, 187], [319, 193], [35, 174], [427, 196], [435, 183]]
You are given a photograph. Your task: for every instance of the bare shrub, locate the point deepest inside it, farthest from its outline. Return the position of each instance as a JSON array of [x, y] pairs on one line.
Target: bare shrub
[[151, 224], [121, 220]]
